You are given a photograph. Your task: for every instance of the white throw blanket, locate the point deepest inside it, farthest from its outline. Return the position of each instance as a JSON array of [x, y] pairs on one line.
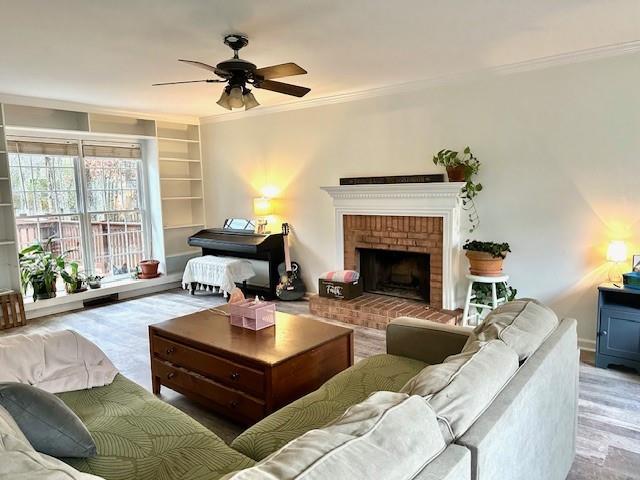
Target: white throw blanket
[[221, 272], [56, 362]]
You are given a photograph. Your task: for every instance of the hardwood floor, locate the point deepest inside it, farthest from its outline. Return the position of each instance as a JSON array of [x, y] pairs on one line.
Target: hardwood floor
[[609, 407]]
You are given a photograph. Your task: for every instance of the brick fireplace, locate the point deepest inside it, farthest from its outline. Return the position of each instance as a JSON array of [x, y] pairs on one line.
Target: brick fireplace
[[404, 239], [414, 234]]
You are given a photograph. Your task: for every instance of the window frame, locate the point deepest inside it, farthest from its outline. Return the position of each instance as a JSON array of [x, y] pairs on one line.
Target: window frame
[[82, 192]]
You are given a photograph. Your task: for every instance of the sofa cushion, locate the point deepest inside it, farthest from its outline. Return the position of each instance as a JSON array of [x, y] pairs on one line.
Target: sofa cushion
[[140, 437], [315, 410], [522, 324], [19, 461], [50, 425], [464, 385], [389, 435]]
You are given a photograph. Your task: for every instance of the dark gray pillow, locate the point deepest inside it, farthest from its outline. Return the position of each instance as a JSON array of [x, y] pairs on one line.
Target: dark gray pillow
[[49, 425]]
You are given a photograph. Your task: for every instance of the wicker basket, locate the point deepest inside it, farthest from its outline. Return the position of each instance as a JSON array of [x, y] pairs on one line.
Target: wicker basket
[[252, 315]]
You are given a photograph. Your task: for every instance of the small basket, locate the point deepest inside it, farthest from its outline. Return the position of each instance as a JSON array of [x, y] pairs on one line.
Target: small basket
[[252, 315]]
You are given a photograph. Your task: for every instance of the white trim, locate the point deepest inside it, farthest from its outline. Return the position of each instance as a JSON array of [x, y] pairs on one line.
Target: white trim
[[578, 56], [415, 199], [586, 344]]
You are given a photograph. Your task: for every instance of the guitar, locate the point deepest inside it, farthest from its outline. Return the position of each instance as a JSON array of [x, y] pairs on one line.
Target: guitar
[[291, 286]]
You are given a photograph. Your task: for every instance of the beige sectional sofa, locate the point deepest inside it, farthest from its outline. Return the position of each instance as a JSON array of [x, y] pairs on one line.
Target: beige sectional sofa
[[444, 403]]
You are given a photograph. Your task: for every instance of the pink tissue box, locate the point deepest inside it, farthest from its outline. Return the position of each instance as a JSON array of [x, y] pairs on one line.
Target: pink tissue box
[[252, 315]]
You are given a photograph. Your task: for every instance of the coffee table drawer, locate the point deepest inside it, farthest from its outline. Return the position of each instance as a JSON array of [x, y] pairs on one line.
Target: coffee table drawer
[[220, 369], [236, 403]]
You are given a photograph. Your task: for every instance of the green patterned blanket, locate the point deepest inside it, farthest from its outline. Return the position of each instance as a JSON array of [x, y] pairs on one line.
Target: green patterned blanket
[[140, 437], [380, 372]]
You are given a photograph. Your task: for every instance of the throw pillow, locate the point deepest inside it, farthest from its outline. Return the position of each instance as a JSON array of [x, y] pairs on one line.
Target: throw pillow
[[462, 387], [522, 324], [49, 425], [390, 435]]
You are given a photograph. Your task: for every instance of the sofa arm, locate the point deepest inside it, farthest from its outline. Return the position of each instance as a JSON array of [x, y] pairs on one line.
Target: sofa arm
[[424, 340]]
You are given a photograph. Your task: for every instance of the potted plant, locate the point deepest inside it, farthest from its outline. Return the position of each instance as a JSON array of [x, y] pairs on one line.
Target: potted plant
[[94, 281], [485, 258], [148, 268], [74, 281], [462, 168], [483, 293], [39, 267]]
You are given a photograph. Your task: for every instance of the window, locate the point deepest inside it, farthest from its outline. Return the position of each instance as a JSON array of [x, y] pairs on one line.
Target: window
[[91, 204]]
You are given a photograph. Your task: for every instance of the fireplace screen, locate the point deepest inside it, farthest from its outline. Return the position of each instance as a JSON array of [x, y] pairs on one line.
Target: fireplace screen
[[399, 274]]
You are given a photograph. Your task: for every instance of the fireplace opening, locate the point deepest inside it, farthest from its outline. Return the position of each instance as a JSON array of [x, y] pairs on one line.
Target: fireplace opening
[[398, 274]]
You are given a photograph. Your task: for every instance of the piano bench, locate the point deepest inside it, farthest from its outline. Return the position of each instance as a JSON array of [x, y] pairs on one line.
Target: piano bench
[[222, 273]]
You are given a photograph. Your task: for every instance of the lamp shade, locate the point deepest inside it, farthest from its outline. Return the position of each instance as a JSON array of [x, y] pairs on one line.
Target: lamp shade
[[249, 101], [235, 97], [617, 251], [224, 100], [262, 206]]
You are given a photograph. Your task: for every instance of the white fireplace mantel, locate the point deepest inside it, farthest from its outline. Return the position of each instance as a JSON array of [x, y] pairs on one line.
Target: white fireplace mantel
[[410, 199]]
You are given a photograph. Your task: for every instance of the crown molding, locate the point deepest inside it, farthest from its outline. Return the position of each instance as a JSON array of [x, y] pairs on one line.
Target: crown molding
[[84, 107], [578, 56]]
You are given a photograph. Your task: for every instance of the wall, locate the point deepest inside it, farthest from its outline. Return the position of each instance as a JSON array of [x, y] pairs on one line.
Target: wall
[[559, 150]]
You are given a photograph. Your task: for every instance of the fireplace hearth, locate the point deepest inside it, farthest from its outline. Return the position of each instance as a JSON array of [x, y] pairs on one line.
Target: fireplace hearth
[[395, 273]]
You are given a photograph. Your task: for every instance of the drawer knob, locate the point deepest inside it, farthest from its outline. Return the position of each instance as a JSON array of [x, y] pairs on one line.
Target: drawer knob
[[234, 403], [170, 375], [235, 376], [171, 350]]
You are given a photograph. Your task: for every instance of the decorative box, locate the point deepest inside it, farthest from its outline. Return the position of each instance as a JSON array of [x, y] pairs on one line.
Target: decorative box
[[252, 315], [339, 290], [631, 280]]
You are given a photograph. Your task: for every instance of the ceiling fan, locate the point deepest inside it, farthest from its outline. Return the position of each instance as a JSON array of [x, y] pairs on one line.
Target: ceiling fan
[[238, 73]]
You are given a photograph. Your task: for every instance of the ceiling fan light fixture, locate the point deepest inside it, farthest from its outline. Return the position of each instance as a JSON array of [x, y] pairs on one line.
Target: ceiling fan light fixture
[[224, 100], [235, 97], [249, 100]]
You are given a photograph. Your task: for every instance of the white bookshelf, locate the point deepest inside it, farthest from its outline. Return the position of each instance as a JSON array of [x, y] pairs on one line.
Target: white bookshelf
[[181, 190], [9, 273]]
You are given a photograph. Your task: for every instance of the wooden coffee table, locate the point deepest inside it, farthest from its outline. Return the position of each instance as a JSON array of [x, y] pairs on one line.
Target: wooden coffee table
[[245, 374]]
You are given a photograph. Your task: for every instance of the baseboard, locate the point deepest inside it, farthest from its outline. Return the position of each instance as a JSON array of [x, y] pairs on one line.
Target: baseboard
[[587, 345]]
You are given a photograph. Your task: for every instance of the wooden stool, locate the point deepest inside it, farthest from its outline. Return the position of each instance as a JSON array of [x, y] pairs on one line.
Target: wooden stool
[[495, 301], [12, 310]]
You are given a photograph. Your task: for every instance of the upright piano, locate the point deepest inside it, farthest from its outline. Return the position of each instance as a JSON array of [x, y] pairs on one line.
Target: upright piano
[[233, 241]]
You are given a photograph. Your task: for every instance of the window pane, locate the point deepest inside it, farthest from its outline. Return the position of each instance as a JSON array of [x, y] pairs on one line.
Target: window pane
[[37, 182]]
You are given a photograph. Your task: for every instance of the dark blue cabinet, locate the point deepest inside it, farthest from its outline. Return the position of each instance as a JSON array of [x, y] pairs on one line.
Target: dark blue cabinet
[[618, 333]]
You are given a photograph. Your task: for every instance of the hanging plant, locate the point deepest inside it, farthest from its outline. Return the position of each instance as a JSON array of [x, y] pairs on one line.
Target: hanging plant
[[462, 168]]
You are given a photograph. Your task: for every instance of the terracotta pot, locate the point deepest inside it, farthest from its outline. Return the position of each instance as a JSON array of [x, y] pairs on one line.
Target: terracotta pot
[[455, 174], [484, 264], [149, 267]]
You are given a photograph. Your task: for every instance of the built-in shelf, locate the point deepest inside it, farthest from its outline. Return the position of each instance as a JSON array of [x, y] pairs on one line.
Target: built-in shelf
[[7, 242], [176, 179], [4, 178], [181, 198], [182, 254], [176, 159], [185, 140], [177, 227], [6, 205]]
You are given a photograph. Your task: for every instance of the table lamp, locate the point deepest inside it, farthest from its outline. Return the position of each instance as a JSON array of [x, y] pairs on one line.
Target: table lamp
[[262, 208], [616, 254]]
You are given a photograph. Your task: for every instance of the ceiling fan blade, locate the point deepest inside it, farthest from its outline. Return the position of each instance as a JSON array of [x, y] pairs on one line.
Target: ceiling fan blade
[[208, 80], [281, 87], [211, 68], [278, 71]]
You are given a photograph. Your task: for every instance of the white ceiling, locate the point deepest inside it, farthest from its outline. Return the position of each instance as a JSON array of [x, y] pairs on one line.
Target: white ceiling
[[108, 52]]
